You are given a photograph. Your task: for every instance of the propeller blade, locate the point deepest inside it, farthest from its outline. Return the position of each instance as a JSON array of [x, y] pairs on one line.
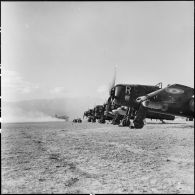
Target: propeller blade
[[112, 84]]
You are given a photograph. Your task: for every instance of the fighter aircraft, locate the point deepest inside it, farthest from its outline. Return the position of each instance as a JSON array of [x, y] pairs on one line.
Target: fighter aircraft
[[102, 114], [90, 115], [62, 117], [127, 95], [86, 114], [176, 99], [99, 113]]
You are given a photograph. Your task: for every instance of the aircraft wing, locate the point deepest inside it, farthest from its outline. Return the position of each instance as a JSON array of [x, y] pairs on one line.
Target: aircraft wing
[[174, 99]]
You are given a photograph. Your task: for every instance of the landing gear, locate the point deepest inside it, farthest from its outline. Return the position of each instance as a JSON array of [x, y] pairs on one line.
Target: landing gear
[[125, 122], [115, 122], [139, 118], [93, 120], [89, 120], [189, 119], [101, 120], [138, 124]]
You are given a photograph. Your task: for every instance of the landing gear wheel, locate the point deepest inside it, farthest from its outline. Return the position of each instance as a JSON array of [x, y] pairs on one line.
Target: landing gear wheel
[[94, 120], [123, 123], [89, 120], [128, 123], [102, 120], [115, 122], [138, 124]]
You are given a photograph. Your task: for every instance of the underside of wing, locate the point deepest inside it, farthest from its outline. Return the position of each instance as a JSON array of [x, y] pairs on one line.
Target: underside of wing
[[174, 99]]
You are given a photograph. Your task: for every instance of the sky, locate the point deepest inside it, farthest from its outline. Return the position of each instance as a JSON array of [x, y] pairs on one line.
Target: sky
[[70, 49]]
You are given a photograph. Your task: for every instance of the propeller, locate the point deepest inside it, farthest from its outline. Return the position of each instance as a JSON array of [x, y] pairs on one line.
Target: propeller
[[111, 85]]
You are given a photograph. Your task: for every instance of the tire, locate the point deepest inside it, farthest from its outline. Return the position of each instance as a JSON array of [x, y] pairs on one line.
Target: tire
[[138, 124], [115, 122], [124, 123], [103, 121], [128, 123]]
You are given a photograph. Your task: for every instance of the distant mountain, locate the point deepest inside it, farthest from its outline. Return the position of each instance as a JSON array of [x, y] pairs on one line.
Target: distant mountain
[[46, 109]]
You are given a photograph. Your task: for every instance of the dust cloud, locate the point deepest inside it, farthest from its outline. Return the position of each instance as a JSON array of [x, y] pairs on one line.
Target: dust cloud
[[39, 110]]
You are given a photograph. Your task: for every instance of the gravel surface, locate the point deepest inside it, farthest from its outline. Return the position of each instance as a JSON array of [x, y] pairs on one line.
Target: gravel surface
[[66, 157]]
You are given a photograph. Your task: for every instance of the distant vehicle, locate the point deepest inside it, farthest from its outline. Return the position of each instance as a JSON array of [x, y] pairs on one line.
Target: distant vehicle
[[78, 120]]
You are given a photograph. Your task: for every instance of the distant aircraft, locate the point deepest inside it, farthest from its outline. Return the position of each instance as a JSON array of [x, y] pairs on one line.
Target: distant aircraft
[[97, 113], [62, 117], [89, 114], [101, 112]]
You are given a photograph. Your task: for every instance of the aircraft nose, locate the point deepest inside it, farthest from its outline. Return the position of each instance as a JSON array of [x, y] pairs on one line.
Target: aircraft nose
[[115, 101], [192, 104]]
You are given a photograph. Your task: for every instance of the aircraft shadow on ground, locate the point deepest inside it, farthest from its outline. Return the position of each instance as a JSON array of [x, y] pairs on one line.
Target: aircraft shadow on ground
[[163, 123], [151, 123]]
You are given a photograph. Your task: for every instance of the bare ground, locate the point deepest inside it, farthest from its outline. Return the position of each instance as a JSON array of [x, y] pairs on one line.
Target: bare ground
[[97, 158]]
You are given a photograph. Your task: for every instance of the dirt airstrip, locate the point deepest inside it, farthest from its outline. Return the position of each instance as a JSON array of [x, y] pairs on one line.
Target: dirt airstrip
[[66, 157]]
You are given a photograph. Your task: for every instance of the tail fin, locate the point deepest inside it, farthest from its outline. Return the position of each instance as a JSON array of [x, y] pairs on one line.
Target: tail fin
[[159, 85]]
